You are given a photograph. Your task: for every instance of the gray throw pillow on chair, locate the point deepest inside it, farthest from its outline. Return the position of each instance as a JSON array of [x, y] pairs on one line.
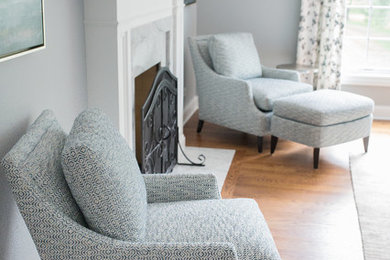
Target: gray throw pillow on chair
[[235, 55], [104, 178]]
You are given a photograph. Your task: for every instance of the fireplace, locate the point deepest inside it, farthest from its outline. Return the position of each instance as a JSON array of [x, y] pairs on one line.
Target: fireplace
[[156, 120], [125, 39]]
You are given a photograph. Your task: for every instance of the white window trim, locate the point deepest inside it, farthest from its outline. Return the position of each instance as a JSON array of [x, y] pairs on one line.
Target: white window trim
[[364, 77]]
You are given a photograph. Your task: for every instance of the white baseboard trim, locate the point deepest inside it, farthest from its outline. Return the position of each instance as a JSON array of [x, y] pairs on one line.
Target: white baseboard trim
[[189, 109], [382, 113]]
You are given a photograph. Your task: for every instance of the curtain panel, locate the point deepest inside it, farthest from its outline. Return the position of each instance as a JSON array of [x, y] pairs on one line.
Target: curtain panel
[[320, 40]]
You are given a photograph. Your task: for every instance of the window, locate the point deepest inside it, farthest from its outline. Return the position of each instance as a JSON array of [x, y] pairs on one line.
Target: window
[[367, 37]]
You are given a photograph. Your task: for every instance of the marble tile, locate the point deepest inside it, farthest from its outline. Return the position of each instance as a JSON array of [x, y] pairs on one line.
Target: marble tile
[[218, 162], [150, 45]]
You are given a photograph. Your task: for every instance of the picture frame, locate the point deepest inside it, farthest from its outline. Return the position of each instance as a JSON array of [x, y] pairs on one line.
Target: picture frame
[[188, 2], [22, 30]]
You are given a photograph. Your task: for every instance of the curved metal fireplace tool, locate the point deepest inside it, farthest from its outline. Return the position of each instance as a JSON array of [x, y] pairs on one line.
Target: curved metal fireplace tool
[[201, 158]]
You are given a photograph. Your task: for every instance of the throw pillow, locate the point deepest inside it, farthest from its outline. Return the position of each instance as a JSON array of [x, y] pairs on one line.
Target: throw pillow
[[235, 55], [104, 178]]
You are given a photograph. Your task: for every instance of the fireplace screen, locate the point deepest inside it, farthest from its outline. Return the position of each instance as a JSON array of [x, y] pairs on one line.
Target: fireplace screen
[[159, 125]]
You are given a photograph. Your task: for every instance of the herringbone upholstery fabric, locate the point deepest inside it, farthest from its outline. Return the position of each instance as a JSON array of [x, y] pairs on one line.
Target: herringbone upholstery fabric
[[321, 136], [181, 187], [236, 221], [223, 100], [266, 91], [324, 107], [36, 158], [104, 177], [58, 230], [322, 118], [235, 55], [229, 101], [273, 73], [203, 47]]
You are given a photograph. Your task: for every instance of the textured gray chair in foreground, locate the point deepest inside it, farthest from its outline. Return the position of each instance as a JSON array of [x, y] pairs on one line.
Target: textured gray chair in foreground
[[185, 217], [234, 89], [322, 118]]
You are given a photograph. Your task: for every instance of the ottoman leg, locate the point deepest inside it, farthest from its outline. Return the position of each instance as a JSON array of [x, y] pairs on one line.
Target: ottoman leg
[[274, 142], [200, 126], [366, 141], [316, 157], [260, 144]]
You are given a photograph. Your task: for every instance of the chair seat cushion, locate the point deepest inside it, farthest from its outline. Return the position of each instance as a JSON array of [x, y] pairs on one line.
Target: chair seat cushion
[[235, 55], [324, 107], [237, 221], [104, 177], [266, 90]]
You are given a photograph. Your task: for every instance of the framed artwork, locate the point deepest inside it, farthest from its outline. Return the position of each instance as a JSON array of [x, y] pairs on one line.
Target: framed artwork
[[22, 27], [188, 2]]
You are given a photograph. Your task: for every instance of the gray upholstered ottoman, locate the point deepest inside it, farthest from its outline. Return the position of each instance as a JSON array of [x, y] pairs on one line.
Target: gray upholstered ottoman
[[322, 118]]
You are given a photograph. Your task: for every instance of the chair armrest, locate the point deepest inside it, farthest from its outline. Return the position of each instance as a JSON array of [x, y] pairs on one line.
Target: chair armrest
[[172, 187], [280, 74]]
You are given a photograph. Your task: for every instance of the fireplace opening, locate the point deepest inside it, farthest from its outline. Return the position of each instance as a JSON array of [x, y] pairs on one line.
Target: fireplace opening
[[143, 85], [156, 130]]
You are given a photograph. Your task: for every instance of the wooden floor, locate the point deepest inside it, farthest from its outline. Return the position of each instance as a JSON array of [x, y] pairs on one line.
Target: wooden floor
[[311, 213]]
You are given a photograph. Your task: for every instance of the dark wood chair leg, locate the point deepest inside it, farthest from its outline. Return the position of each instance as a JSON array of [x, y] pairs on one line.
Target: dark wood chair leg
[[316, 157], [274, 142], [366, 141], [200, 126], [260, 144]]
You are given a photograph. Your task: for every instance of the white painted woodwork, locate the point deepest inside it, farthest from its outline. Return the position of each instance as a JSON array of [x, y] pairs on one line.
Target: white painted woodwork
[[123, 39]]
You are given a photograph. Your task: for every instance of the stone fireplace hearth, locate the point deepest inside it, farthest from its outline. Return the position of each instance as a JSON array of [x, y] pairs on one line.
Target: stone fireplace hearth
[[125, 38]]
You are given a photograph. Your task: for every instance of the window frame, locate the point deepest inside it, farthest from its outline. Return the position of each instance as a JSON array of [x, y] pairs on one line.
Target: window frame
[[367, 75]]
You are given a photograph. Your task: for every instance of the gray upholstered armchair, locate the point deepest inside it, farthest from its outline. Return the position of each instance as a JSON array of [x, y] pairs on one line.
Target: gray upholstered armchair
[[241, 103], [186, 217]]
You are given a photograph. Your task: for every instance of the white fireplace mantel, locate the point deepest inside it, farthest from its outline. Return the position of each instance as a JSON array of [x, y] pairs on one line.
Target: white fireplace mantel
[[123, 39]]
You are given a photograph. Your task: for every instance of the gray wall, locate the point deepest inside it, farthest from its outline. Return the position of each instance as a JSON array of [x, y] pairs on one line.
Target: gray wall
[[190, 18], [274, 24], [53, 78], [380, 94]]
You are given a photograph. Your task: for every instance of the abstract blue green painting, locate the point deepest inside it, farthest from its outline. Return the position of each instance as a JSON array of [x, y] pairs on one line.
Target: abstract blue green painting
[[21, 26]]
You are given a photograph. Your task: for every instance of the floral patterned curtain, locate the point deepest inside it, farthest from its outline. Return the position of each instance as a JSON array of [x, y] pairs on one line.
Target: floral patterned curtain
[[320, 40]]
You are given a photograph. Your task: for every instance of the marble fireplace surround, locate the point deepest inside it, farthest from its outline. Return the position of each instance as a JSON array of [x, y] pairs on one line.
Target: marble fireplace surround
[[121, 45], [150, 45]]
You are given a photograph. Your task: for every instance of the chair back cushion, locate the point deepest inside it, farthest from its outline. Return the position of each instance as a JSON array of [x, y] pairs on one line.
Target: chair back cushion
[[235, 55], [33, 166], [104, 177]]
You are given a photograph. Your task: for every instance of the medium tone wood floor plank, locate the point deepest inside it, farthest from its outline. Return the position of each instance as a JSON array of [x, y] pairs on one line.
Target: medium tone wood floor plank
[[311, 213]]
